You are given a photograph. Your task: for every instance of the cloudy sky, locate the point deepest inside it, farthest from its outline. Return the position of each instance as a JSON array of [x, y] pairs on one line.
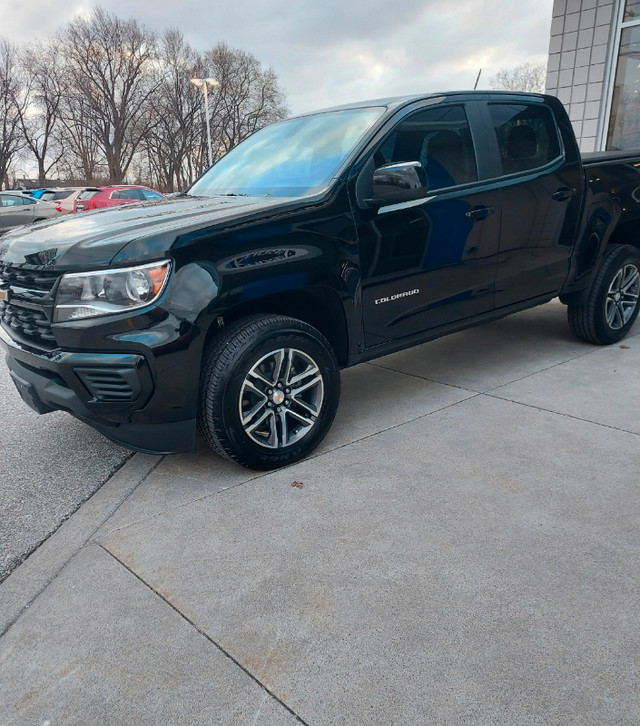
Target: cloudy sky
[[328, 52]]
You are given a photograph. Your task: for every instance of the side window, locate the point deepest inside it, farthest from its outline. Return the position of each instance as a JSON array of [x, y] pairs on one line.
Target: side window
[[527, 136], [148, 194], [440, 139], [118, 195], [13, 201]]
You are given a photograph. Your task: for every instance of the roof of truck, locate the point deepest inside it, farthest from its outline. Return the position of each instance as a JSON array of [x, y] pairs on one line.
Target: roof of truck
[[392, 102]]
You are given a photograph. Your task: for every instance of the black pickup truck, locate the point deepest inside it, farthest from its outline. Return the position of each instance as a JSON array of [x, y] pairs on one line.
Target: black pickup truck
[[318, 243]]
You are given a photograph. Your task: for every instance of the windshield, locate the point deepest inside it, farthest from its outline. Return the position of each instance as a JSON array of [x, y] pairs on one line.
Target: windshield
[[288, 159]]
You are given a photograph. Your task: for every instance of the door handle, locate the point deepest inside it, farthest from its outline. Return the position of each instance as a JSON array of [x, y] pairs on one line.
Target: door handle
[[563, 194], [478, 213]]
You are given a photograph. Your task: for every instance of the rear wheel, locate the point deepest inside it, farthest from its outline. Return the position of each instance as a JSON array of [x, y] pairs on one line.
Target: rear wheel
[[270, 388], [610, 307]]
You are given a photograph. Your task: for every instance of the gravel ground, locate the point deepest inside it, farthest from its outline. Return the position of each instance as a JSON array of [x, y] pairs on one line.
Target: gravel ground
[[49, 465]]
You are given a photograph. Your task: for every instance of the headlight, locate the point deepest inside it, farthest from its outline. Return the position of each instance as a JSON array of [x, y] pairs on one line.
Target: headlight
[[88, 294]]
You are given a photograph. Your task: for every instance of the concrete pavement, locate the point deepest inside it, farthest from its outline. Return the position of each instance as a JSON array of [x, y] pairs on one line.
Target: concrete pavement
[[463, 550]]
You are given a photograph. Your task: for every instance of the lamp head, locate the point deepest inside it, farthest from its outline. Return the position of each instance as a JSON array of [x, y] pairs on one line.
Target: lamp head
[[201, 82]]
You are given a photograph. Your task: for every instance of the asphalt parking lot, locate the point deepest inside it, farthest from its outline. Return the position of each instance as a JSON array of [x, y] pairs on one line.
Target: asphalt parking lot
[[462, 549], [49, 465]]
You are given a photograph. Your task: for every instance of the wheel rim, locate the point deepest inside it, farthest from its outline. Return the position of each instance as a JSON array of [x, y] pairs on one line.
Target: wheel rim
[[281, 398], [622, 297]]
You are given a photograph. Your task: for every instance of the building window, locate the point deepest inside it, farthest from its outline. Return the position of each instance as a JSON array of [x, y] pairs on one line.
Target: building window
[[624, 126], [631, 10], [624, 122]]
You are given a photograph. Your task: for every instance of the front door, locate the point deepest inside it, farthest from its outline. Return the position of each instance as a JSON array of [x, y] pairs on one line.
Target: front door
[[429, 262]]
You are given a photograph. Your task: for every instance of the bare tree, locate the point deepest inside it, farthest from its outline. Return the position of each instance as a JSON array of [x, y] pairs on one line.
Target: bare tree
[[40, 115], [176, 108], [11, 107], [104, 96], [248, 98], [83, 158], [111, 75], [526, 77]]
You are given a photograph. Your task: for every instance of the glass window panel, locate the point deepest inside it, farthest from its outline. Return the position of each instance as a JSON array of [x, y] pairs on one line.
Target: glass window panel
[[12, 200], [624, 125], [290, 158], [440, 139], [631, 10], [527, 136]]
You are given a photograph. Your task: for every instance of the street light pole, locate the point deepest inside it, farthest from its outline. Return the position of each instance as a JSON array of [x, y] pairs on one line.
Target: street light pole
[[203, 83]]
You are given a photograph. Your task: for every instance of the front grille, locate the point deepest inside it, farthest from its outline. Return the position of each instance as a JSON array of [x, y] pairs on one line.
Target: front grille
[[26, 323], [41, 280], [26, 316]]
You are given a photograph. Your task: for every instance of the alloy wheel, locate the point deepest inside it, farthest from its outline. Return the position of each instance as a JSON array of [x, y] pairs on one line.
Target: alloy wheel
[[622, 296], [281, 398]]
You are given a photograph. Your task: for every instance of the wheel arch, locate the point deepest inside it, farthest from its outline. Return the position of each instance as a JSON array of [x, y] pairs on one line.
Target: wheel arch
[[320, 307], [627, 233]]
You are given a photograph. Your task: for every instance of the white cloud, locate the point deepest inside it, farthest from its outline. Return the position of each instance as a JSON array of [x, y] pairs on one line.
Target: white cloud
[[332, 52]]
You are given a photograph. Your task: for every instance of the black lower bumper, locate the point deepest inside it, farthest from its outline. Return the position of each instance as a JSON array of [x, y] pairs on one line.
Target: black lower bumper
[[113, 392]]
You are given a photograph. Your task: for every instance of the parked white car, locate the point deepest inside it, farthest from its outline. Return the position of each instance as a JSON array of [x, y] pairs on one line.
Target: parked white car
[[17, 209]]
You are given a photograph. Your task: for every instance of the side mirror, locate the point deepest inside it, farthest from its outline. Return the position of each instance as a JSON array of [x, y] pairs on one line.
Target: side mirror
[[399, 182]]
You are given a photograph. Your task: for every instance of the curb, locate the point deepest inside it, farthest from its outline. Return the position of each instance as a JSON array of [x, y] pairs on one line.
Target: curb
[[30, 578]]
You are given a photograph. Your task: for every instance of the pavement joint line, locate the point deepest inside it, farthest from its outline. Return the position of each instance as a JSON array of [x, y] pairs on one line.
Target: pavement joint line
[[473, 390], [205, 635], [420, 378], [560, 413], [84, 539], [176, 507], [549, 367], [475, 394]]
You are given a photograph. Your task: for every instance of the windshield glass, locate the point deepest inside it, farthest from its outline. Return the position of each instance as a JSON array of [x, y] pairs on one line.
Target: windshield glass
[[288, 159]]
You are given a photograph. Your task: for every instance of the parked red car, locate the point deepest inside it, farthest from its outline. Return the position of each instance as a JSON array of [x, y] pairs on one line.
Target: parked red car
[[100, 197]]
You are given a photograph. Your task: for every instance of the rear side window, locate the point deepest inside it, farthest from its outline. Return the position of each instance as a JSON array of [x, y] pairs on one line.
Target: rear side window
[[440, 139], [14, 201], [88, 195], [527, 136], [128, 194]]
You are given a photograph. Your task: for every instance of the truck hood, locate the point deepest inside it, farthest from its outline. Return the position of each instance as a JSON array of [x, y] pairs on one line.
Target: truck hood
[[92, 239]]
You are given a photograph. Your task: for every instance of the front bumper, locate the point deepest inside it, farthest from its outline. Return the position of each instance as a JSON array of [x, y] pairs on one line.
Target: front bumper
[[114, 392]]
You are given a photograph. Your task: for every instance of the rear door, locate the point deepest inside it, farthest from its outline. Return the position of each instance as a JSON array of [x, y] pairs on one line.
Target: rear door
[[540, 199], [429, 262]]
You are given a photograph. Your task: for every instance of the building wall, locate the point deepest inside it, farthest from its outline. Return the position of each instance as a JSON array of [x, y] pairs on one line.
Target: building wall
[[580, 50]]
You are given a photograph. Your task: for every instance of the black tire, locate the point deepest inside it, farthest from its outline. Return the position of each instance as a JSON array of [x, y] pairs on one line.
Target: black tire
[[610, 307], [245, 372]]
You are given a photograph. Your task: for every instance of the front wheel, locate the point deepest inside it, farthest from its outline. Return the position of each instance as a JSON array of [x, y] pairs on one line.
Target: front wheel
[[610, 307], [269, 391]]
